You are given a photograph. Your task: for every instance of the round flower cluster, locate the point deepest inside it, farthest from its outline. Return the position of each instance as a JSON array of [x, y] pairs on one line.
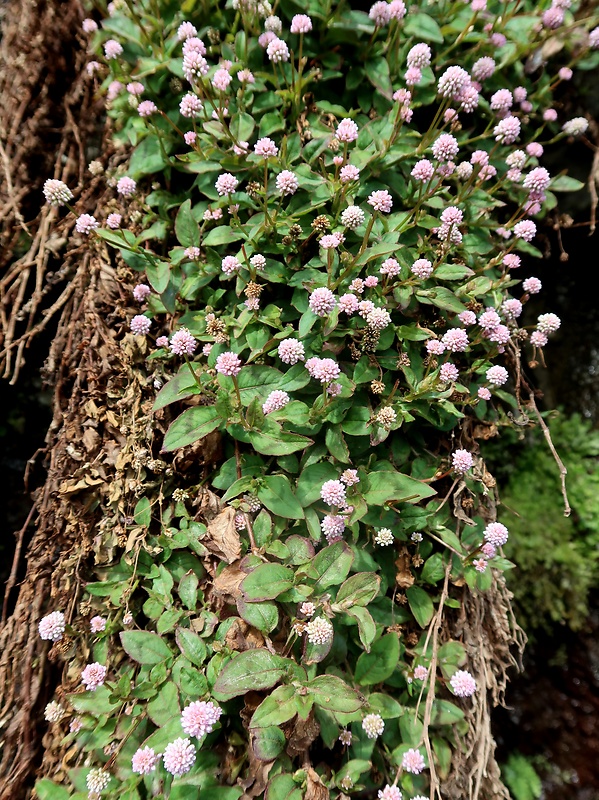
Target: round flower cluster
[[324, 370], [300, 23], [462, 461], [333, 493], [86, 224], [97, 780], [347, 130], [287, 182], [333, 526], [226, 183], [319, 631], [381, 201], [497, 375], [384, 537], [228, 364], [275, 401], [496, 534], [52, 626], [462, 683], [291, 351], [57, 193], [144, 761], [413, 761], [179, 757], [200, 717], [53, 712], [140, 325], [373, 725], [390, 793], [126, 186], [322, 301], [183, 343], [352, 217], [349, 173], [93, 676]]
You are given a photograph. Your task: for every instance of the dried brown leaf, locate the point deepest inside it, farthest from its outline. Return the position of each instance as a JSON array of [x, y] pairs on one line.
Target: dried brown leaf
[[222, 538]]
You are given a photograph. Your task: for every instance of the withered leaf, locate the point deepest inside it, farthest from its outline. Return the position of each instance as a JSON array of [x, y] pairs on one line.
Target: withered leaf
[[222, 538]]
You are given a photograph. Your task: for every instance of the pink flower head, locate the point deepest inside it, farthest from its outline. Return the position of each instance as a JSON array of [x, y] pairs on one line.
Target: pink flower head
[[422, 268], [550, 115], [97, 624], [89, 25], [421, 673], [445, 147], [52, 626], [553, 17], [287, 182], [277, 50], [245, 76], [300, 23], [192, 253], [113, 221], [468, 98], [381, 201], [183, 343], [56, 192], [538, 339], [390, 793], [435, 347], [275, 401], [480, 565], [194, 45], [502, 101], [349, 477], [512, 308], [512, 261], [419, 56], [423, 170], [266, 38], [348, 304], [576, 126], [373, 725], [331, 241], [462, 683], [548, 323], [467, 318], [448, 372], [594, 38], [497, 375], [483, 68], [507, 130], [413, 76], [397, 9], [496, 534], [226, 183], [93, 676], [146, 108], [347, 130], [112, 49], [221, 80], [453, 81], [379, 13], [291, 351], [199, 718], [266, 148], [179, 757], [536, 150], [484, 393], [390, 267], [349, 173], [455, 340], [489, 319], [186, 31], [228, 364], [144, 761], [497, 39], [162, 341], [462, 461], [86, 224], [230, 264], [333, 526], [413, 761], [190, 107], [526, 230], [322, 301], [126, 186], [140, 325], [532, 285], [537, 180], [324, 370], [488, 550]]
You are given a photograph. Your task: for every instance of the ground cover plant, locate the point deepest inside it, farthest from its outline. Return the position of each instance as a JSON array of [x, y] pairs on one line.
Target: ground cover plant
[[330, 215]]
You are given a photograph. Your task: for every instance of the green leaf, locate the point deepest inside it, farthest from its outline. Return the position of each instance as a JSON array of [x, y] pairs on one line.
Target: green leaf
[[358, 590], [385, 705], [336, 444], [180, 386], [222, 235], [433, 569], [257, 381], [145, 647], [266, 582], [380, 663], [165, 705], [420, 604], [564, 183], [452, 272], [159, 273], [275, 493], [48, 790], [445, 713], [263, 616], [276, 709], [146, 159], [387, 485], [188, 589], [251, 670], [423, 27], [268, 743], [442, 297], [331, 565], [186, 228], [193, 424], [142, 513], [277, 443], [333, 694], [366, 625], [311, 480], [377, 72], [283, 787], [192, 647]]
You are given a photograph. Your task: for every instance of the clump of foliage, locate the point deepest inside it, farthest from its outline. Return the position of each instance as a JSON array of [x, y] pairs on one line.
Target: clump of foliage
[[557, 556], [327, 211]]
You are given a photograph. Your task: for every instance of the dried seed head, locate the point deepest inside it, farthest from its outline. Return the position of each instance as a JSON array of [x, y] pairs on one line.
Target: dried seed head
[[253, 289], [321, 223], [295, 231], [377, 387]]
